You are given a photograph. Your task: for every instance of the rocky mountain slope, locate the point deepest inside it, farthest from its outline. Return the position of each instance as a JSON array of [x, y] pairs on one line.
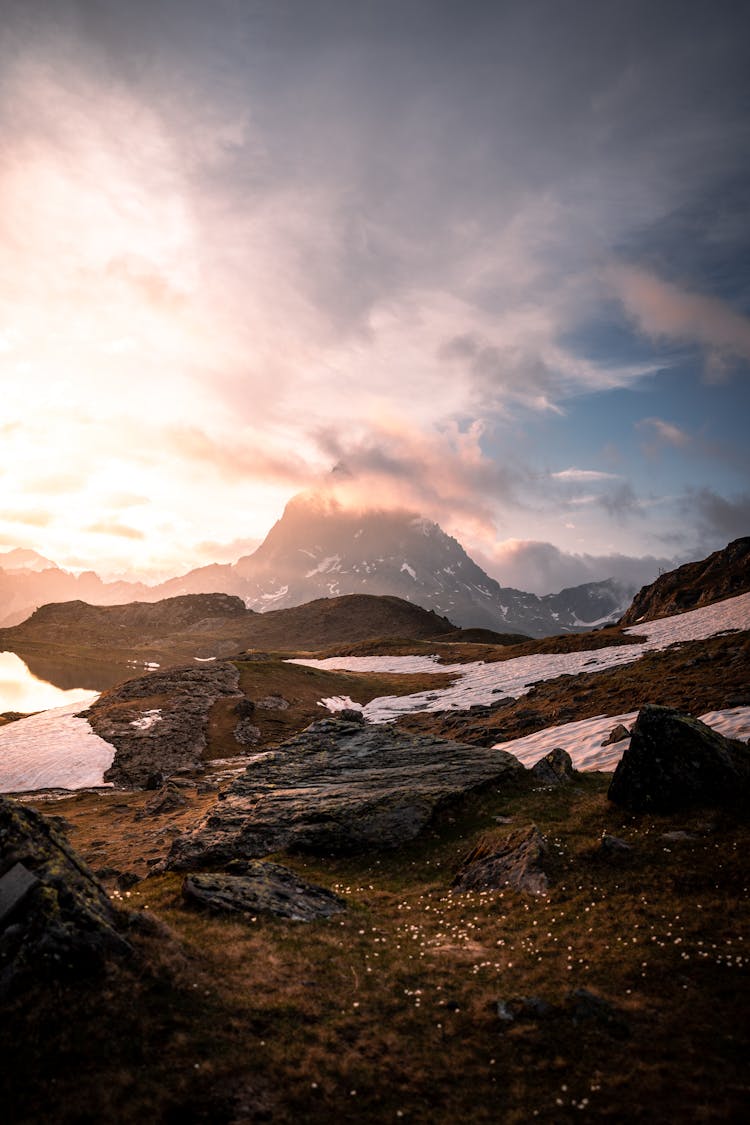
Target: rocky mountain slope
[[723, 574], [318, 549]]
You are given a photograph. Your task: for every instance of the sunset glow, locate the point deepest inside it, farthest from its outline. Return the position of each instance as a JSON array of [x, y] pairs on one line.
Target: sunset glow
[[238, 264]]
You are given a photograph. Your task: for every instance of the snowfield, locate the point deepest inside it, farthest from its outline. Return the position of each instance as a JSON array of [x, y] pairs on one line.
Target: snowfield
[[53, 750], [481, 683]]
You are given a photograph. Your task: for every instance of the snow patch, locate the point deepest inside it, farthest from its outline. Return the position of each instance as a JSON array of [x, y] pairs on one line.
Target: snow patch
[[147, 719], [330, 562], [409, 570], [53, 750]]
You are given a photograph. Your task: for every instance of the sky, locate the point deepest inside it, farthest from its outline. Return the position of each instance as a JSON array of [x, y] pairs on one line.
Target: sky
[[487, 261]]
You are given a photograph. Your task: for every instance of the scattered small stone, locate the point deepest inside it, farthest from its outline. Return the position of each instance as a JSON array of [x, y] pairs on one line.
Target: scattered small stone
[[584, 1006], [617, 734], [246, 733], [351, 715], [126, 880], [612, 847], [244, 709], [168, 798], [525, 1008], [273, 703]]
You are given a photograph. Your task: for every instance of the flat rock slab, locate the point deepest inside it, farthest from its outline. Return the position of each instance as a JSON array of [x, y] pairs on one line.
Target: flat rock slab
[[158, 723], [339, 786], [496, 862], [264, 888], [676, 762]]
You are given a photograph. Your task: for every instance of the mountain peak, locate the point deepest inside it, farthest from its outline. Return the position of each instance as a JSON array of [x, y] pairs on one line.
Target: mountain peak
[[24, 558]]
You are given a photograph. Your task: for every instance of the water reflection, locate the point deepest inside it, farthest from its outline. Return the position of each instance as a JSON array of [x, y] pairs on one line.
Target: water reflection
[[42, 683]]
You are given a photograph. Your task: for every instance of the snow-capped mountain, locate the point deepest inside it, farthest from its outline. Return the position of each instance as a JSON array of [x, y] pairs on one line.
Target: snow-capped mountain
[[318, 549]]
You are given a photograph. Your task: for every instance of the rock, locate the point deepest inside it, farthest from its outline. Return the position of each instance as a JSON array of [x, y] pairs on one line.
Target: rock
[[273, 703], [612, 847], [617, 734], [55, 917], [265, 887], [167, 799], [580, 1006], [675, 762], [516, 860], [351, 715], [525, 1008], [584, 1006], [245, 709], [158, 723], [555, 768], [246, 733], [339, 786]]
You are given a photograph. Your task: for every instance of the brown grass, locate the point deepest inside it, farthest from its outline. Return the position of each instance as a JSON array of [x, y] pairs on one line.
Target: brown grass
[[397, 1000]]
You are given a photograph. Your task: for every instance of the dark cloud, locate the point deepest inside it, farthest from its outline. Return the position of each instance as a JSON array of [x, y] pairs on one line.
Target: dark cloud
[[718, 518], [543, 568]]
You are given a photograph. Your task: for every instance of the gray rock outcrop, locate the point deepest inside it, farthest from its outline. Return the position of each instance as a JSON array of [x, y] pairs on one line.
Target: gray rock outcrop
[[263, 888], [55, 917], [675, 762], [516, 860], [339, 786], [158, 722]]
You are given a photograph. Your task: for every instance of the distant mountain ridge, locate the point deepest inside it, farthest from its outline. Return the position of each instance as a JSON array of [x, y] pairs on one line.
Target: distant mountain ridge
[[319, 550]]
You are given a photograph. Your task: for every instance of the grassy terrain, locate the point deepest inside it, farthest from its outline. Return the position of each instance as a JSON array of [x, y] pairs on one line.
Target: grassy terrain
[[390, 1013]]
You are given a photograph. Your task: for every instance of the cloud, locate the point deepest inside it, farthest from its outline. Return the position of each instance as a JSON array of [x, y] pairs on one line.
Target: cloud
[[443, 475], [573, 474], [111, 527], [718, 518], [30, 517], [667, 432], [543, 568], [662, 310], [237, 460]]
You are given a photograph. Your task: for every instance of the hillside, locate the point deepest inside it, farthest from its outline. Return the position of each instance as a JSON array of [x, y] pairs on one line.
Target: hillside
[[723, 574], [213, 625]]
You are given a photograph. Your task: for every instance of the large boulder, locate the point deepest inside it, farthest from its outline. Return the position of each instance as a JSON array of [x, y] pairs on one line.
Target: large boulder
[[339, 786], [158, 723], [55, 917], [675, 762]]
